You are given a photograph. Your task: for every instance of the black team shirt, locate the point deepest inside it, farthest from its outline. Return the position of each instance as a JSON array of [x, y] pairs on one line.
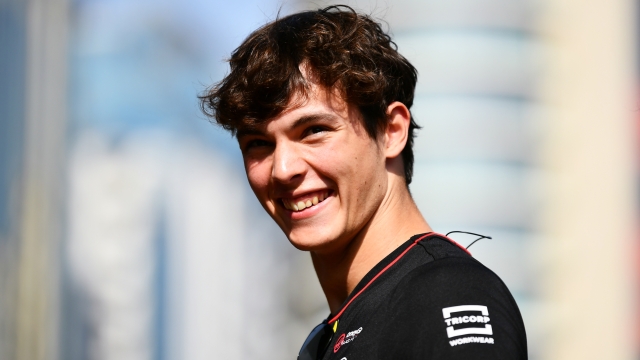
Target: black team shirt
[[429, 299]]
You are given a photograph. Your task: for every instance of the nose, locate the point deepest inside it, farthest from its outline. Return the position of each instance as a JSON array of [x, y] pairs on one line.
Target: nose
[[288, 165]]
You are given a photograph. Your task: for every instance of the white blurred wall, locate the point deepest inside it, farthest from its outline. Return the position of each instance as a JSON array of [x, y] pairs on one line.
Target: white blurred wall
[[590, 209]]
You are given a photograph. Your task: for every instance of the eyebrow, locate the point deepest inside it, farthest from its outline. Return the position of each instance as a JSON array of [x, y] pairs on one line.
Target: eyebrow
[[250, 131], [311, 118], [303, 120]]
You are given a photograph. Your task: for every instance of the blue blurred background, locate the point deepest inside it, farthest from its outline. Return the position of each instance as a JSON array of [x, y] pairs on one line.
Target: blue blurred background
[[128, 230]]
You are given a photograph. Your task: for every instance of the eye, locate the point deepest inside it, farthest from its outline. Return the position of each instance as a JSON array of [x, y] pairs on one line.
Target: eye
[[256, 144], [316, 130]]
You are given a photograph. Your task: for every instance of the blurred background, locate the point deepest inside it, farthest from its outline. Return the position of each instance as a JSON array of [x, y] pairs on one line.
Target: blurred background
[[128, 230]]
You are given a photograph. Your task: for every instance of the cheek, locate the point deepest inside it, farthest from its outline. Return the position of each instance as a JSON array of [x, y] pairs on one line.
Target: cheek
[[357, 166], [369, 172], [333, 163], [258, 175]]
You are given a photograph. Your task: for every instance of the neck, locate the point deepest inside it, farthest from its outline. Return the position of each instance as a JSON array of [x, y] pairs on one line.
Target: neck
[[395, 221]]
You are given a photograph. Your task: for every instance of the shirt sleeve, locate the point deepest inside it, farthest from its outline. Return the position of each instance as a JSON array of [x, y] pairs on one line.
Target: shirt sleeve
[[452, 308]]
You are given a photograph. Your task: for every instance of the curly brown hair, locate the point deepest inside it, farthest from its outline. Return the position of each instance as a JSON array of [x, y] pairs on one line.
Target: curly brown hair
[[339, 48]]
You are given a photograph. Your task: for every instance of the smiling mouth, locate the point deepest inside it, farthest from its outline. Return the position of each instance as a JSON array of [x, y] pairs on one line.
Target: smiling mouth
[[305, 201]]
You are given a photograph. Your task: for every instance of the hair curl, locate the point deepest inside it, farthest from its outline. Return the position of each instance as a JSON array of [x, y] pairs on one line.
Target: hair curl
[[339, 48]]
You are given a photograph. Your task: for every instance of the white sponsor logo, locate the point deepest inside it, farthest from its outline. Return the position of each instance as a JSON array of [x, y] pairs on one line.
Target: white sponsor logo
[[475, 320], [351, 335], [471, 339], [346, 338]]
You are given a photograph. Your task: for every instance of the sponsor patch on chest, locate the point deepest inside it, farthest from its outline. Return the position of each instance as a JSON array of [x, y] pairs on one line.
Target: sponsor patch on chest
[[346, 338], [467, 320]]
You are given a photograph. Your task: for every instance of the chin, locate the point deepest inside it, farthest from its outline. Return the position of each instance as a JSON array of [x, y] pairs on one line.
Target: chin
[[305, 243], [317, 242]]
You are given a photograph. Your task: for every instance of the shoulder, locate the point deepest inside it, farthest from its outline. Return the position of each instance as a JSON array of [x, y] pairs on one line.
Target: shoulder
[[448, 282], [453, 278], [454, 307], [452, 275]]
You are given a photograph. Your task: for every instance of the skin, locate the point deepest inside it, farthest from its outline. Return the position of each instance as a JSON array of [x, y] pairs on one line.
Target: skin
[[321, 148]]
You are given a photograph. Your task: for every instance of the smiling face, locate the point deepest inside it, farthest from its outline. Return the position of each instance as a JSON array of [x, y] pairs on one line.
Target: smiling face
[[316, 171]]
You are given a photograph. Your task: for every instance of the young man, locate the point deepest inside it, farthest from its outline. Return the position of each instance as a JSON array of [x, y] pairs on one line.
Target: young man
[[319, 102]]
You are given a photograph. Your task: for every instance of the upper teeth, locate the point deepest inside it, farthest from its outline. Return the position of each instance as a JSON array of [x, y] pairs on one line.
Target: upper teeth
[[302, 204]]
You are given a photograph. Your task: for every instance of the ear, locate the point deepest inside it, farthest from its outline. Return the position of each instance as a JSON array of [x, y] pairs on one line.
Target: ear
[[397, 132]]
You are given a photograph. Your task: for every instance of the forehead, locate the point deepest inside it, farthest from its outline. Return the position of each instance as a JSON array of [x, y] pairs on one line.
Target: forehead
[[317, 103]]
